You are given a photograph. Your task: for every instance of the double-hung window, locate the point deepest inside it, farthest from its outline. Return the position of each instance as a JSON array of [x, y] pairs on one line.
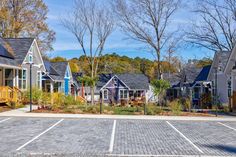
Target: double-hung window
[[39, 79], [105, 94], [123, 93], [9, 77], [22, 79]]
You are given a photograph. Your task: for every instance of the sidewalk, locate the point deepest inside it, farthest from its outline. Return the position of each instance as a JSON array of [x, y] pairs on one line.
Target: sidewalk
[[24, 112]]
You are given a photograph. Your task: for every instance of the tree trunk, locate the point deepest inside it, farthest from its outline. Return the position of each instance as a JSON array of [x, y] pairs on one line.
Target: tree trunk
[[158, 65], [92, 95]]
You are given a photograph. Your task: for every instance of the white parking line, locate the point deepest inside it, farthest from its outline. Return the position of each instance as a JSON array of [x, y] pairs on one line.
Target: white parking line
[[39, 135], [185, 137], [4, 120], [112, 137], [152, 155], [227, 126]]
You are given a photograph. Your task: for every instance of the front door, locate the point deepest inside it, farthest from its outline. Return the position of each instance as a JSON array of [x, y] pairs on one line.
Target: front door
[[1, 78]]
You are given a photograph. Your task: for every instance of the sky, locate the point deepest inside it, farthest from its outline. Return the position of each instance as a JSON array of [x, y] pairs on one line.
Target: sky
[[67, 46]]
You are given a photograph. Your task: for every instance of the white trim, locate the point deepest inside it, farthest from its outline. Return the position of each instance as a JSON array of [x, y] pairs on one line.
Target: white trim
[[123, 93], [40, 81], [229, 59], [40, 56], [111, 80], [104, 94], [9, 66]]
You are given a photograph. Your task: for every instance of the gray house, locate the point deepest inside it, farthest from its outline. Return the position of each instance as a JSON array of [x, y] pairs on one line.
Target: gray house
[[120, 88], [16, 54]]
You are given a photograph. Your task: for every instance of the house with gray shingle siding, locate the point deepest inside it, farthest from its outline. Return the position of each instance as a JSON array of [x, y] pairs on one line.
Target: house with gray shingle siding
[[120, 88], [230, 73], [15, 56]]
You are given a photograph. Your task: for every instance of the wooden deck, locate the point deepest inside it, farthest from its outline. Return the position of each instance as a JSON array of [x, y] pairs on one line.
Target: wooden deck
[[9, 94]]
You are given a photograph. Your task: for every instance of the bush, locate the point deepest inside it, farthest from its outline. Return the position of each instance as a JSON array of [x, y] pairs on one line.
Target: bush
[[37, 95], [153, 110], [176, 107]]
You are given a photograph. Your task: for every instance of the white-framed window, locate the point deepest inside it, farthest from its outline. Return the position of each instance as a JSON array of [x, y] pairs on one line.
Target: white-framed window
[[105, 94], [39, 79], [9, 77], [30, 58], [123, 94], [22, 79]]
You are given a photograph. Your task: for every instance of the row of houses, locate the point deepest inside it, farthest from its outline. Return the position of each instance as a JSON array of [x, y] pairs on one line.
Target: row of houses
[[207, 86], [20, 57]]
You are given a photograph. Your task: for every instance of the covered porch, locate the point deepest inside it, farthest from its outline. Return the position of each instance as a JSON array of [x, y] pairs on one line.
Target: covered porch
[[12, 81]]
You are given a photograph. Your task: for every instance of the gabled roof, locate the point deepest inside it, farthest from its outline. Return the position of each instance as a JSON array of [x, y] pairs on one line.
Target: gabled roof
[[203, 75], [56, 70], [219, 61], [132, 81], [231, 61], [14, 50]]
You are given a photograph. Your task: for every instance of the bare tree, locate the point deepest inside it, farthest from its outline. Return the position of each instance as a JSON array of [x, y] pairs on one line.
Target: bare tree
[[147, 21], [91, 23], [216, 29]]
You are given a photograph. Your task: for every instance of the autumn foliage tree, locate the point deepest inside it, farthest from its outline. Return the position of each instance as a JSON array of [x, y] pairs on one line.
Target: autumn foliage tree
[[26, 18]]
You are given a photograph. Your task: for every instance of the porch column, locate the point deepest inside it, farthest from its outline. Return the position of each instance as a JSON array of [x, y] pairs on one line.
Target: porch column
[[14, 77], [51, 87], [17, 78]]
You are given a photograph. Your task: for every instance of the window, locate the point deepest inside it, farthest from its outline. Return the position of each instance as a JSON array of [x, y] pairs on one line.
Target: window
[[39, 79], [22, 79], [30, 58], [115, 82], [9, 77], [105, 94], [123, 93]]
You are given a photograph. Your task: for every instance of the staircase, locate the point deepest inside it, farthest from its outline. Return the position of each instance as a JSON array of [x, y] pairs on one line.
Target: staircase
[[9, 94]]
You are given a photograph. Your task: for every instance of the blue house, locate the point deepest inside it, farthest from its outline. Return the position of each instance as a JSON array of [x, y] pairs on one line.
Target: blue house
[[58, 78]]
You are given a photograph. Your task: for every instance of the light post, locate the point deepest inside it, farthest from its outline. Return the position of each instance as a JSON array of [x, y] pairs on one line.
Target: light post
[[30, 62], [215, 97]]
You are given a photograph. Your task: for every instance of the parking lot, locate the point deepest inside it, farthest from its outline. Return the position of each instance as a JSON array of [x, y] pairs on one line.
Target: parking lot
[[115, 137]]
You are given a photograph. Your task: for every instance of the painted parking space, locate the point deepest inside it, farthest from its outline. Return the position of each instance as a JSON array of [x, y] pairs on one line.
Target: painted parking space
[[74, 136], [109, 137], [229, 125], [211, 137], [16, 131], [2, 119], [149, 137]]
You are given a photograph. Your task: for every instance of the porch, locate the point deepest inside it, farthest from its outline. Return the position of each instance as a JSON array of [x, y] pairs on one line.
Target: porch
[[123, 97], [11, 80]]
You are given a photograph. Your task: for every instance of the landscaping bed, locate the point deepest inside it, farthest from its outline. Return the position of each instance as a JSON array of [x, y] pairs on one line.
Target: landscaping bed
[[117, 110]]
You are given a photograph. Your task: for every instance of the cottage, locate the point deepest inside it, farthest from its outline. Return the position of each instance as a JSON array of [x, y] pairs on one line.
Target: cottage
[[58, 78], [218, 78], [15, 56], [21, 56], [230, 82], [120, 89]]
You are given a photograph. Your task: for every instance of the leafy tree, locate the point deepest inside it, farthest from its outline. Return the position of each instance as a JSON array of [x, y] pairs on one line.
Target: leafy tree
[[26, 18], [58, 59], [159, 86]]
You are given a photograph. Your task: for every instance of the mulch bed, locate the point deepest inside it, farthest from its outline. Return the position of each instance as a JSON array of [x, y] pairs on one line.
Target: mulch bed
[[77, 111], [4, 108]]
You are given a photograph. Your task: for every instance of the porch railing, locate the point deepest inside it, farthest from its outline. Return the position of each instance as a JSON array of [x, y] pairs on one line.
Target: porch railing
[[9, 94]]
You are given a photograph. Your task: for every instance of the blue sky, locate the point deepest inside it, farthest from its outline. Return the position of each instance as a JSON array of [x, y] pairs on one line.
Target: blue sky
[[67, 46]]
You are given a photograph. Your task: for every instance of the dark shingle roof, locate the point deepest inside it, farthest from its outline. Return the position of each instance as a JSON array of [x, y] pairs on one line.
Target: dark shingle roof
[[203, 75], [173, 78], [56, 70], [75, 78], [133, 81], [13, 50]]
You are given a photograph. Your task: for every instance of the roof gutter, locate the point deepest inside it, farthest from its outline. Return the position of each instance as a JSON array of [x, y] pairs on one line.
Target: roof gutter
[[10, 66]]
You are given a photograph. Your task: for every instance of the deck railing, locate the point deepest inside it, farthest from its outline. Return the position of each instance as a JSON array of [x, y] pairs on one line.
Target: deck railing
[[9, 94]]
